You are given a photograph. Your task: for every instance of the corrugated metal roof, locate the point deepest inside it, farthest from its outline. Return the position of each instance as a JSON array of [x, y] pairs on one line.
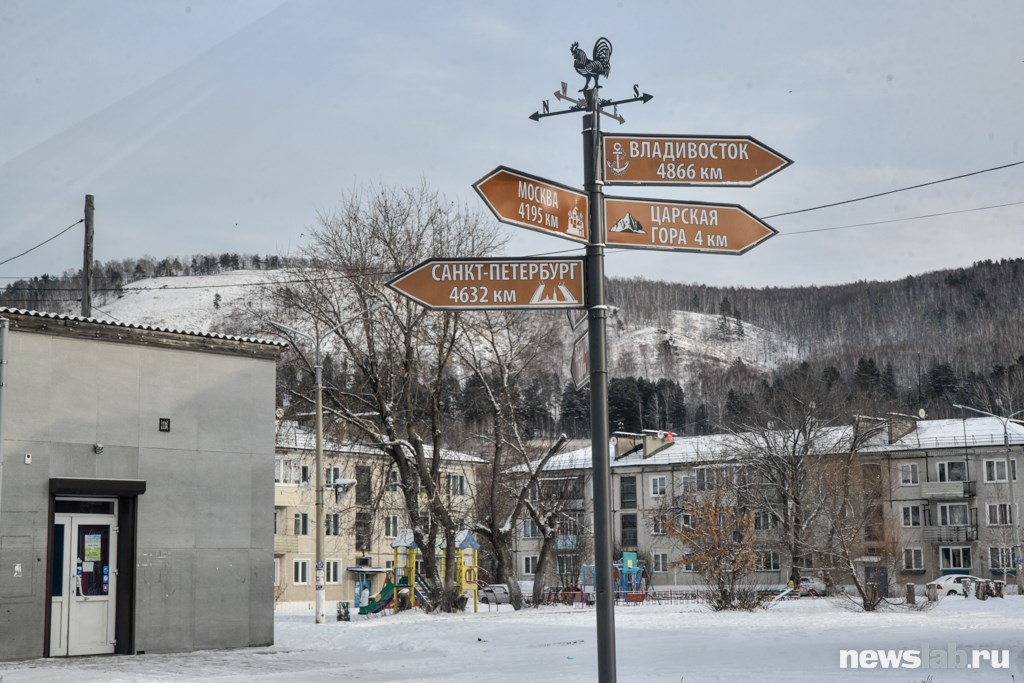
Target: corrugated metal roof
[[293, 436], [132, 326]]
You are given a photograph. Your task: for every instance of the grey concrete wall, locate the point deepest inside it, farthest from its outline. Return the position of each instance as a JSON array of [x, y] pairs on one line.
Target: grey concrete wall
[[205, 523]]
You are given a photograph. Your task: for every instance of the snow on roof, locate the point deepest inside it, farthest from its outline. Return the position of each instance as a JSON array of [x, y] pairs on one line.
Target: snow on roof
[[132, 326], [293, 436]]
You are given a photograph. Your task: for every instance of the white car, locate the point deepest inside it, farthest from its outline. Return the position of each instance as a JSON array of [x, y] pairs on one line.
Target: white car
[[953, 584], [812, 586]]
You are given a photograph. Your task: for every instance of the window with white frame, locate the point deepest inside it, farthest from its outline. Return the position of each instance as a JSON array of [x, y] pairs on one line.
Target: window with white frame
[[332, 474], [685, 483], [660, 562], [530, 564], [332, 524], [659, 485], [301, 523], [306, 471], [393, 483], [805, 561], [277, 571], [300, 572], [277, 515], [286, 470], [687, 564], [913, 559], [530, 529], [684, 519], [955, 470], [456, 485], [1000, 558], [657, 526], [767, 560], [911, 515], [332, 573], [955, 557], [765, 519], [999, 514], [390, 526], [995, 470], [568, 565], [953, 514], [908, 474]]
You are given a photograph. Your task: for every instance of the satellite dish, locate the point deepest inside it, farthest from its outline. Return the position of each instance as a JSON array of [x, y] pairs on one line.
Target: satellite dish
[[279, 413], [921, 413], [613, 441]]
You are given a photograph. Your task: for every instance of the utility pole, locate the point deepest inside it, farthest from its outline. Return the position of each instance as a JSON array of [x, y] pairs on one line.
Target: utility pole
[[87, 259]]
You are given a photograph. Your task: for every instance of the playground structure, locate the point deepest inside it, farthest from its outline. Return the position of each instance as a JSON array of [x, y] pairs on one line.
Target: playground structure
[[629, 578], [405, 588]]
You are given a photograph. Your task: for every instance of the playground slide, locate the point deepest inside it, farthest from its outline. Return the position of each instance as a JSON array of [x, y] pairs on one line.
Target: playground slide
[[380, 600], [421, 591]]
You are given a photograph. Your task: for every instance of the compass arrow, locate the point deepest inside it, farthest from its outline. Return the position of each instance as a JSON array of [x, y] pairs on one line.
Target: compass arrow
[[645, 98], [565, 98], [618, 117], [537, 116]]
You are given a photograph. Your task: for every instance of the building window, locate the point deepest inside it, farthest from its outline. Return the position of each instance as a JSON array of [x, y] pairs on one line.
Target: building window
[[277, 571], [363, 526], [627, 493], [953, 514], [302, 524], [333, 571], [332, 474], [286, 470], [953, 471], [629, 537], [710, 478], [456, 485], [687, 564], [995, 470], [955, 557], [911, 515], [657, 526], [390, 526], [999, 514], [805, 561], [277, 515], [765, 520], [658, 486], [913, 559], [767, 561], [530, 529], [362, 485], [393, 483], [908, 474], [1000, 558], [684, 520], [530, 564], [332, 524], [300, 572], [568, 566], [660, 562], [305, 474]]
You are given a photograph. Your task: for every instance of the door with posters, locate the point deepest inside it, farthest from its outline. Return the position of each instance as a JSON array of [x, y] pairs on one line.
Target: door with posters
[[84, 571]]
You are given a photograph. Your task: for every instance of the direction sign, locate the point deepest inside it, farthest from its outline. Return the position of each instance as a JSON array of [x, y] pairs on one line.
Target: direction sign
[[715, 161], [580, 366], [682, 226], [576, 318], [494, 283], [527, 201]]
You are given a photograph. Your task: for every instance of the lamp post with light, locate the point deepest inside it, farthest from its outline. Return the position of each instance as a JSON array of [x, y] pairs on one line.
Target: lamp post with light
[[1010, 476]]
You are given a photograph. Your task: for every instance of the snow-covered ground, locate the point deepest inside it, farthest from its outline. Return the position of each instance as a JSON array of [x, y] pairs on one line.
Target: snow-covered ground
[[795, 641]]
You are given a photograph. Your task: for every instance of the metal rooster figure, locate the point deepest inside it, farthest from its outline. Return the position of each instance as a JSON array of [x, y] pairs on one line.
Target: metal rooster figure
[[592, 67]]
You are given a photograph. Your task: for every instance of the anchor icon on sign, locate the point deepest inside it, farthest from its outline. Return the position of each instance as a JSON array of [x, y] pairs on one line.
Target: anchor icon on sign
[[617, 152]]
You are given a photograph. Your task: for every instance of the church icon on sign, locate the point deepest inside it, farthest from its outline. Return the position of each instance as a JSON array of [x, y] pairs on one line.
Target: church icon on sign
[[548, 294]]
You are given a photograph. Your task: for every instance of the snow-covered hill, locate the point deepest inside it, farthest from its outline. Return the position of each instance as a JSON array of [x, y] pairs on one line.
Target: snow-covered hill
[[213, 303]]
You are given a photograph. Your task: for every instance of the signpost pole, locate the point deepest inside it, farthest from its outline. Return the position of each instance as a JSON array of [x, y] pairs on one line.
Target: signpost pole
[[597, 313]]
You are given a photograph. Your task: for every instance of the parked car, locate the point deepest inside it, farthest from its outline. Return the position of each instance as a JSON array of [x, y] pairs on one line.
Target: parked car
[[812, 586], [495, 594], [953, 584]]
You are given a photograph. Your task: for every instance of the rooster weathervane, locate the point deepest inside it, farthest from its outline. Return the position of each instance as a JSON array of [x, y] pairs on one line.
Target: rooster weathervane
[[591, 67]]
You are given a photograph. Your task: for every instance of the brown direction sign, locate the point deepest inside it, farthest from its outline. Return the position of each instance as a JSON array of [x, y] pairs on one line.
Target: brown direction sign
[[682, 226], [713, 161], [494, 283], [527, 201], [580, 366]]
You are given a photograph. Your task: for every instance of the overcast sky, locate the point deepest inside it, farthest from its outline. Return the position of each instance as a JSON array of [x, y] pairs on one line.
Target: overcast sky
[[205, 126]]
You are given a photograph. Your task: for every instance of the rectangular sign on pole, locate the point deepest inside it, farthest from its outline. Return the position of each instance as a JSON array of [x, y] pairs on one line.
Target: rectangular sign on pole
[[682, 226], [711, 161], [494, 283], [580, 366], [524, 200]]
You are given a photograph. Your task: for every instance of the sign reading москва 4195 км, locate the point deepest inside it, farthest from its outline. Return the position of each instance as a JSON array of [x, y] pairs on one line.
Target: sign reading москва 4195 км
[[494, 283]]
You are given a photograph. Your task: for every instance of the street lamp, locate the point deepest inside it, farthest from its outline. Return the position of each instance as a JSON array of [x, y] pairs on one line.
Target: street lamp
[[1010, 476], [317, 341]]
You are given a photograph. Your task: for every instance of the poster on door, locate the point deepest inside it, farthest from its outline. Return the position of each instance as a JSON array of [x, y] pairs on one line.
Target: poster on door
[[93, 547]]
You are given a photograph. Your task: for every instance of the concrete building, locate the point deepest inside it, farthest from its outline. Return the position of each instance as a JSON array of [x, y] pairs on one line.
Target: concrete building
[[363, 516], [136, 488], [945, 502]]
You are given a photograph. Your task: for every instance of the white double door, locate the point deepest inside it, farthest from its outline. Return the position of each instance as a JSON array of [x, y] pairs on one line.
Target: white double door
[[82, 604]]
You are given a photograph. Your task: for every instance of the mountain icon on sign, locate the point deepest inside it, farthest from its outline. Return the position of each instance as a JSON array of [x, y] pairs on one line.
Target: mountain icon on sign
[[628, 224]]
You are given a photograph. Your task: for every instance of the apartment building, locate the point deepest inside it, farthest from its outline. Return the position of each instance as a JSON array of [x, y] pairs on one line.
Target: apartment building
[[945, 502], [364, 511]]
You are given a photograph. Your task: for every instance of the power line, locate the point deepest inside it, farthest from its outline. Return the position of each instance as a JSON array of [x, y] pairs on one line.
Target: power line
[[902, 189], [897, 220], [80, 220]]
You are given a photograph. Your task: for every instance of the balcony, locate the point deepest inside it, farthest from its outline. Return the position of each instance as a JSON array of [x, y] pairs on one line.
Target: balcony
[[948, 490], [285, 544], [963, 533]]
